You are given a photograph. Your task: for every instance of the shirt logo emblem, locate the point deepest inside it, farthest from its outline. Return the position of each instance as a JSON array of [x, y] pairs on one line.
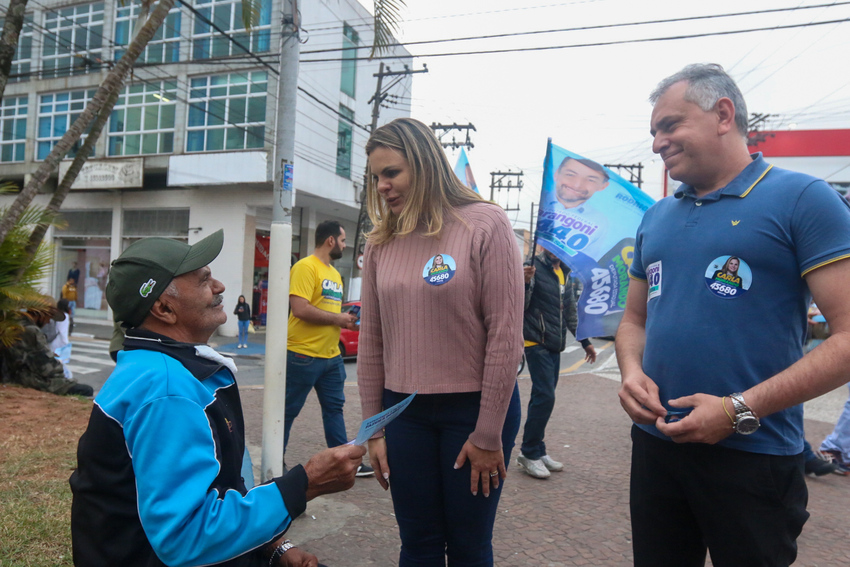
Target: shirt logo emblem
[[735, 222]]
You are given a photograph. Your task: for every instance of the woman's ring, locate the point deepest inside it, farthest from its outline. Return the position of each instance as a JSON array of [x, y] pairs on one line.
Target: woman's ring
[[494, 473]]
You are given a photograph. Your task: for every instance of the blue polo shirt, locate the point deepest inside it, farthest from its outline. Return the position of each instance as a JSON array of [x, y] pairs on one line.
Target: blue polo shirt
[[726, 305]]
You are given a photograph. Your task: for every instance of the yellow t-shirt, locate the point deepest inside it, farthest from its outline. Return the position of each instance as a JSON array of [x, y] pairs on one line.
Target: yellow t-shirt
[[561, 280], [321, 285]]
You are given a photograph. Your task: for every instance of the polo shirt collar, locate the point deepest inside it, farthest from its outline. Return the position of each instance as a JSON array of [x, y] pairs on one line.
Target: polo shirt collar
[[739, 187]]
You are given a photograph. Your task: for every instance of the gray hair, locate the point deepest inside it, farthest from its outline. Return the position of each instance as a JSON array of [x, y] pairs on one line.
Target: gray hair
[[707, 83], [171, 290]]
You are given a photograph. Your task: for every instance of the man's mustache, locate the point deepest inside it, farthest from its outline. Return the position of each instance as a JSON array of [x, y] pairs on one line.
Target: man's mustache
[[217, 300]]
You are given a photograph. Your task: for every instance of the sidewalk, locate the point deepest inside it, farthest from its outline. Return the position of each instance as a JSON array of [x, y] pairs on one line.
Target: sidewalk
[[577, 517]]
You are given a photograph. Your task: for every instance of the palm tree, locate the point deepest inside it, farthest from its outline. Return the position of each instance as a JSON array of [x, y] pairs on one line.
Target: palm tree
[[9, 40], [18, 274]]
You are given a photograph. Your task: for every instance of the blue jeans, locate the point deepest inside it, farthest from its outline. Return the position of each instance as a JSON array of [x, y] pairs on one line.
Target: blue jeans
[[839, 439], [436, 512], [543, 365], [243, 332], [327, 376], [72, 305]]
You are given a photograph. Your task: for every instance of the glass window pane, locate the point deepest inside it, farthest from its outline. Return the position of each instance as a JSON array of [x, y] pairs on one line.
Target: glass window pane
[[197, 114], [149, 143], [257, 109], [115, 144], [116, 121], [215, 117], [167, 116], [237, 110], [215, 139], [167, 141], [134, 119], [151, 118], [131, 145], [254, 138], [195, 141], [44, 127], [234, 139]]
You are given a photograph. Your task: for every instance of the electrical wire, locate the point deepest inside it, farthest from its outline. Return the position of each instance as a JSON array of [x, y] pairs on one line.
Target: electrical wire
[[594, 44]]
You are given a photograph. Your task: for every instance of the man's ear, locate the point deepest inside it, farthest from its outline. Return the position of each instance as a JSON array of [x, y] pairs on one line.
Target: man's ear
[[163, 311], [725, 110]]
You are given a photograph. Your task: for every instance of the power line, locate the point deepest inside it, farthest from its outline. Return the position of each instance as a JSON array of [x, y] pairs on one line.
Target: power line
[[594, 27], [595, 44]]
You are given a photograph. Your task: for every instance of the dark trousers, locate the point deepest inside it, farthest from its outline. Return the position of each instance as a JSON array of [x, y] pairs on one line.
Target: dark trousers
[[327, 377], [746, 508], [437, 514], [543, 365]]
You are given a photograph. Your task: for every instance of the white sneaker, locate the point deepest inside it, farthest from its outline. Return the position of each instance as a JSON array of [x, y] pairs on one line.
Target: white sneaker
[[551, 463], [533, 467]]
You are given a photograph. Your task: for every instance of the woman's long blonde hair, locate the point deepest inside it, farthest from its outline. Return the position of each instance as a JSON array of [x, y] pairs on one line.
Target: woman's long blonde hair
[[434, 188]]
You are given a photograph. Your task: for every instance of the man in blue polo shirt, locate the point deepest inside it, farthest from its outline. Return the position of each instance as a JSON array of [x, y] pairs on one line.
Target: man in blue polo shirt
[[711, 343]]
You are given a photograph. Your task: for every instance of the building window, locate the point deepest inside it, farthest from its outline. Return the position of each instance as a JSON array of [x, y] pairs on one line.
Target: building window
[[350, 39], [73, 40], [142, 121], [343, 144], [227, 112], [56, 113], [207, 42], [172, 223], [22, 60], [13, 128], [164, 47]]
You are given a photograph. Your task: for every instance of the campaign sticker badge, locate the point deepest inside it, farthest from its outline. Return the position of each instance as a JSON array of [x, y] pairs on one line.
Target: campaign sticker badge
[[439, 269], [653, 280], [728, 277]]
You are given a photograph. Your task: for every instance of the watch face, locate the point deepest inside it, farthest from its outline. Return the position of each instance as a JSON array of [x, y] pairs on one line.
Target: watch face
[[747, 424]]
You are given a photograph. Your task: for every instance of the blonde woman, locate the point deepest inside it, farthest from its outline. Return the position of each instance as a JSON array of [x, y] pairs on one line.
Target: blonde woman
[[442, 316]]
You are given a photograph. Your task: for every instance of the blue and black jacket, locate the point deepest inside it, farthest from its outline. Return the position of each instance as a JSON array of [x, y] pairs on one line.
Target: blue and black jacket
[[158, 478]]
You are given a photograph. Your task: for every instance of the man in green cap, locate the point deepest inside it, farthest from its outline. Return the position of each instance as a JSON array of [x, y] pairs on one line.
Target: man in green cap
[[159, 467]]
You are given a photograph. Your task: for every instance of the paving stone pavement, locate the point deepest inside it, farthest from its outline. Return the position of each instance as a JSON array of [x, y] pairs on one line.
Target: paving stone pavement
[[578, 517]]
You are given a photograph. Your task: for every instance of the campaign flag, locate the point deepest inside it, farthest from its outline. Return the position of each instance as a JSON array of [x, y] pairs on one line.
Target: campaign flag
[[464, 171], [588, 218]]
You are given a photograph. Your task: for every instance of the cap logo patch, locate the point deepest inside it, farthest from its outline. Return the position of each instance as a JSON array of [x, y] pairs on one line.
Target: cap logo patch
[[147, 287]]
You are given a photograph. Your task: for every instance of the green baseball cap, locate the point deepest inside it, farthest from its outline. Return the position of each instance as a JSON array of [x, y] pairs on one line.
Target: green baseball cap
[[143, 271]]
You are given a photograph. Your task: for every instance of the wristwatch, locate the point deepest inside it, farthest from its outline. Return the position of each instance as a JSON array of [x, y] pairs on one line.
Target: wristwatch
[[746, 421]]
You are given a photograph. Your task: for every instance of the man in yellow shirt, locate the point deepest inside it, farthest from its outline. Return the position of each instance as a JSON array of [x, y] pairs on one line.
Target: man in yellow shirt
[[313, 358]]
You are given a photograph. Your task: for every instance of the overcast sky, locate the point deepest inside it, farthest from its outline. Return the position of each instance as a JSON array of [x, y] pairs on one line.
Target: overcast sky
[[593, 100]]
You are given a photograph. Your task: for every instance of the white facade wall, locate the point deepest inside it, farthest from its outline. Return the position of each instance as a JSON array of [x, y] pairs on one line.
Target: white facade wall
[[228, 189]]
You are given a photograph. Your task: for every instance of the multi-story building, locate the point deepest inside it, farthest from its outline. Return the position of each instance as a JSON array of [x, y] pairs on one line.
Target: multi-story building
[[189, 145]]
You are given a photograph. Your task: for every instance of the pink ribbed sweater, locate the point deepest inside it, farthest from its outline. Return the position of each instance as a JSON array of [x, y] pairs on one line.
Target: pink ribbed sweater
[[462, 336]]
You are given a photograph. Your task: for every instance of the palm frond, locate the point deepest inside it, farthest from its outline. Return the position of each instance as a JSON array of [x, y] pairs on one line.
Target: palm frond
[[387, 18], [18, 274], [251, 13]]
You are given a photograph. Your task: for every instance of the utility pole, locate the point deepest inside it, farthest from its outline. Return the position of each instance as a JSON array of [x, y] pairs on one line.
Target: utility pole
[[441, 130], [364, 224], [274, 396], [635, 172], [754, 126], [497, 181]]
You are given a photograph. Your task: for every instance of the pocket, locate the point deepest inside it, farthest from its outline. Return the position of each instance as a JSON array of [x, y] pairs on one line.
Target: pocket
[[300, 360]]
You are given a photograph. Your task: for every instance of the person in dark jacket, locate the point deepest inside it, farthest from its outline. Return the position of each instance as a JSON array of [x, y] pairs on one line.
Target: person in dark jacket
[[550, 310], [159, 476], [243, 314]]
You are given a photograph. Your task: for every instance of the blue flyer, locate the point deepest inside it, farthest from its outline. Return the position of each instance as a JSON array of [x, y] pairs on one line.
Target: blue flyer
[[380, 420]]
